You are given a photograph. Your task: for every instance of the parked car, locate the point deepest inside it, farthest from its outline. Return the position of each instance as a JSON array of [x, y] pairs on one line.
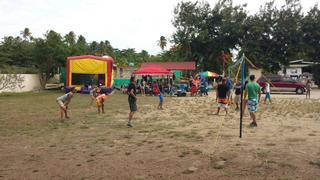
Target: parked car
[[282, 84]]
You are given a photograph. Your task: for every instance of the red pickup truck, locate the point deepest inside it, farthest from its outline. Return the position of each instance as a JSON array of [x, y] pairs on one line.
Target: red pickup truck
[[282, 84]]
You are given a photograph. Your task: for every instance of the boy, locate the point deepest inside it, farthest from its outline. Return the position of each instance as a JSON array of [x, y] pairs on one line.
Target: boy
[[94, 93], [237, 98], [222, 98], [267, 91], [161, 98], [132, 99], [100, 102], [252, 90], [229, 85], [63, 102]]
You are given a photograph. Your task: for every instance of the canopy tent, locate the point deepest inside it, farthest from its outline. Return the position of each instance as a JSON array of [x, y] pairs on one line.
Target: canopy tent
[[152, 70], [209, 74], [86, 70]]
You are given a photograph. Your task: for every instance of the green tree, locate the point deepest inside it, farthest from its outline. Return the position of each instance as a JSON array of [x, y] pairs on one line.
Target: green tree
[[49, 53], [311, 36], [16, 52], [93, 48], [202, 32], [70, 42], [81, 46]]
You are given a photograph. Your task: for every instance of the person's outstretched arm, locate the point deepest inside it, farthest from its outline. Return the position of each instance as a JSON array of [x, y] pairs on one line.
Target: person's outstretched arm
[[259, 92]]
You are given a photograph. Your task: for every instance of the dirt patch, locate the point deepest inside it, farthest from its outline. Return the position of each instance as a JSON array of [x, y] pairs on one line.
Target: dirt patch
[[184, 141]]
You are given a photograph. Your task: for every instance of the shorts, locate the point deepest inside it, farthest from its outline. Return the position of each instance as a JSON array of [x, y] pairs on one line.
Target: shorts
[[252, 105], [132, 105], [161, 99], [237, 99], [222, 102], [268, 96], [61, 104], [99, 102]]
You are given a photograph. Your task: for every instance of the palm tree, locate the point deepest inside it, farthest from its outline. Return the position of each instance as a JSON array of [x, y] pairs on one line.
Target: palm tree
[[26, 34], [162, 42]]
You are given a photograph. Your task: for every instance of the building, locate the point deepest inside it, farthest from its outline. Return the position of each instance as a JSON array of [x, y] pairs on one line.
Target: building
[[186, 65], [176, 67], [297, 68]]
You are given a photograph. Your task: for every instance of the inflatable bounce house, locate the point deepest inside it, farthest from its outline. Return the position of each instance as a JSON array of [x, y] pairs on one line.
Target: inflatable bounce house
[[84, 72]]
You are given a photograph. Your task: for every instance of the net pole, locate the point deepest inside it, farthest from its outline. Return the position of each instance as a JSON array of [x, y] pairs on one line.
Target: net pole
[[242, 89]]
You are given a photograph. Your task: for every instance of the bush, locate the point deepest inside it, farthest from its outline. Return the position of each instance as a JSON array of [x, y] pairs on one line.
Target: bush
[[6, 69], [316, 74]]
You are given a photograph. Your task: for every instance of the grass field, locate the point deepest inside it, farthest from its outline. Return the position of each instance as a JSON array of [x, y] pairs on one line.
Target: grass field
[[184, 141]]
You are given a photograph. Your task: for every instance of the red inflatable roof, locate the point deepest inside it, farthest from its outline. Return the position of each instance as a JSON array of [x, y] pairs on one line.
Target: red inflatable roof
[[151, 70], [187, 65], [90, 57]]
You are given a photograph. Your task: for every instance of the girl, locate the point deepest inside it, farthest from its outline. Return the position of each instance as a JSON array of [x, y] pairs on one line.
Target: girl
[[267, 91]]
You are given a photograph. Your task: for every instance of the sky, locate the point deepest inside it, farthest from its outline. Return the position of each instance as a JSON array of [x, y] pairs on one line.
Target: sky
[[125, 23]]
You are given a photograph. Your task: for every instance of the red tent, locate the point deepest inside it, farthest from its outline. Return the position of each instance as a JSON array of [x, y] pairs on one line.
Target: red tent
[[152, 70]]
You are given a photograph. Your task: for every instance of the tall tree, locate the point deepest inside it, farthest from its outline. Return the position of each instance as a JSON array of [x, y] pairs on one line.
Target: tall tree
[[162, 42], [202, 32], [81, 46], [49, 54], [26, 34], [70, 42]]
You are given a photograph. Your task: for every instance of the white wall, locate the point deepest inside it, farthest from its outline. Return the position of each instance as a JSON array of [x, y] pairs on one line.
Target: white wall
[[31, 82], [256, 72]]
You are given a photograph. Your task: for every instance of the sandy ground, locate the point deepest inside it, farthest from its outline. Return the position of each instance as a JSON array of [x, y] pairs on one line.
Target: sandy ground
[[183, 141]]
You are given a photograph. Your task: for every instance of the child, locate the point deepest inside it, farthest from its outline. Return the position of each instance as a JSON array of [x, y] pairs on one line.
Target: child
[[63, 102], [308, 88], [237, 98], [222, 98], [94, 93], [267, 91], [161, 98], [100, 102]]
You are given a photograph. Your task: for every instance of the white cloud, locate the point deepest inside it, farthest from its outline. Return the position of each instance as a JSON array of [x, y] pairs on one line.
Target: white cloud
[[125, 23]]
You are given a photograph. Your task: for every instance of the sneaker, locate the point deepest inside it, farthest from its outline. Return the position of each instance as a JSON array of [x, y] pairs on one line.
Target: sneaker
[[252, 125], [129, 125], [255, 124]]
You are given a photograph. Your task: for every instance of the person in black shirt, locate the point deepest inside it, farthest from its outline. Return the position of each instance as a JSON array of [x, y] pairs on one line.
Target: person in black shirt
[[237, 92], [132, 99], [221, 98]]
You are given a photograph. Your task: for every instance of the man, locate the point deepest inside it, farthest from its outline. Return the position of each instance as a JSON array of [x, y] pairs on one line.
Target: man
[[132, 99], [237, 99], [308, 88], [252, 90], [229, 85], [63, 102], [221, 96]]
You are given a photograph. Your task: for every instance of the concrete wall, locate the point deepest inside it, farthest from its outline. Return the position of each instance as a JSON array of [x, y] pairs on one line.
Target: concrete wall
[[30, 82], [126, 72]]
